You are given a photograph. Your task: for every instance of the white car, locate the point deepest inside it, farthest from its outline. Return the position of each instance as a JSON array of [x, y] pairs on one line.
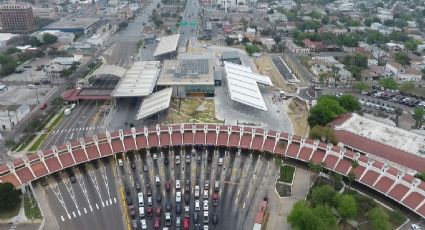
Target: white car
[[415, 227], [220, 161], [197, 188], [155, 157], [177, 159], [205, 194], [177, 184], [205, 205], [143, 223], [197, 205], [178, 197]]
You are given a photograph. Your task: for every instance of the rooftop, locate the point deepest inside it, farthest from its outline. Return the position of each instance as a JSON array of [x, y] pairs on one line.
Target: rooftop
[[186, 72], [139, 80], [395, 137], [6, 36], [72, 23], [154, 103], [230, 55], [167, 44]]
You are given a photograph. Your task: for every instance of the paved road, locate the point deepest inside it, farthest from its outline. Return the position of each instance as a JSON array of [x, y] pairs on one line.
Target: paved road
[[191, 18], [92, 202]]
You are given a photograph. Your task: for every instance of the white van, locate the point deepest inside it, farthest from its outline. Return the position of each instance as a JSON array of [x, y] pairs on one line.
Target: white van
[[140, 197], [157, 180], [120, 162], [141, 212]]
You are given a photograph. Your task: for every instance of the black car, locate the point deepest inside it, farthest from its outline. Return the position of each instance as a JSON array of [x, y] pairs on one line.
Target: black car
[[195, 217], [137, 185], [149, 192], [166, 161], [133, 165], [215, 219], [178, 208], [158, 197], [129, 200], [168, 206], [186, 197], [73, 179]]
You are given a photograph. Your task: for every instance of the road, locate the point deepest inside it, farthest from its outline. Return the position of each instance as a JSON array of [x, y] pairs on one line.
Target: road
[[190, 22], [91, 202]]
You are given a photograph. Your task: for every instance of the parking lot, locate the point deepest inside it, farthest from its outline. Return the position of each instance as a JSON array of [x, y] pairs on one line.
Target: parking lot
[[196, 188], [85, 197]]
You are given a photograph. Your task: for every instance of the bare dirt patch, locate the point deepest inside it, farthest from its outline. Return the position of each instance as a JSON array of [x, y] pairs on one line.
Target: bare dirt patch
[[298, 113], [192, 110], [265, 66]]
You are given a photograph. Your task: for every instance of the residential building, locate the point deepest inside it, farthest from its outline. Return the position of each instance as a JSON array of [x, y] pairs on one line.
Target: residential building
[[384, 15], [11, 116], [409, 74], [294, 48], [372, 61], [313, 46], [332, 29], [374, 72], [393, 68], [394, 47], [45, 12], [325, 60], [17, 18]]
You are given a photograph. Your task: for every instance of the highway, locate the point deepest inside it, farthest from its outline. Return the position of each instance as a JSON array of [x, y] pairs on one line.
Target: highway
[[190, 22]]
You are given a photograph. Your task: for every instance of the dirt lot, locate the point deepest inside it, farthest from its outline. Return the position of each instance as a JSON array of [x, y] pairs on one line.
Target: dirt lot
[[298, 114], [192, 110], [266, 67]]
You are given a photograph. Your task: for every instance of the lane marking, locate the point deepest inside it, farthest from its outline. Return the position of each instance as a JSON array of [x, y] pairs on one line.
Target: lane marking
[[58, 194]]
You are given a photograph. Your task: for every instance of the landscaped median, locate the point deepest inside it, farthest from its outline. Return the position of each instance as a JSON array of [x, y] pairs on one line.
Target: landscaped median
[[285, 180], [32, 211]]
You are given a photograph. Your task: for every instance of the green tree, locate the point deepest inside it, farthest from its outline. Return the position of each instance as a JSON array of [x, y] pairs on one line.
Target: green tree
[[323, 195], [379, 219], [251, 49], [326, 109], [12, 50], [303, 217], [402, 58], [49, 38], [375, 37], [351, 177], [388, 83], [361, 86], [349, 102], [122, 25], [398, 112], [406, 86], [9, 197], [418, 116], [411, 44], [325, 134], [346, 206]]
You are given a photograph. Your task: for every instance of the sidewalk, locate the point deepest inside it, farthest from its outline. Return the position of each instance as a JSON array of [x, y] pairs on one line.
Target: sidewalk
[[49, 220]]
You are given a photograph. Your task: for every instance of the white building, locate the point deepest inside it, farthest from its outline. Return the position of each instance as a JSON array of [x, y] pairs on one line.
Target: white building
[[10, 116], [44, 12], [5, 37], [384, 15]]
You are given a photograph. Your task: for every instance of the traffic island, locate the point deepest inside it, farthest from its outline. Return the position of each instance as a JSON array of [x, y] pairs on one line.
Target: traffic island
[[285, 180]]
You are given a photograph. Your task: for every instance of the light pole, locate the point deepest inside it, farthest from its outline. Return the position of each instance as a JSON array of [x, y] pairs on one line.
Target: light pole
[[36, 94]]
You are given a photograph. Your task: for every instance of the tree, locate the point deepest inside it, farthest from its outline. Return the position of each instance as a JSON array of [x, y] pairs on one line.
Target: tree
[[326, 109], [12, 50], [346, 206], [379, 219], [418, 116], [303, 217], [398, 112], [251, 49], [323, 195], [361, 86], [351, 177], [33, 41], [158, 5], [49, 38], [402, 58], [9, 197], [349, 102], [407, 86], [325, 134], [388, 83]]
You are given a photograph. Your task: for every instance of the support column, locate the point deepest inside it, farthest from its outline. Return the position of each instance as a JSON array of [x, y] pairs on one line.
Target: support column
[[42, 159], [55, 153], [12, 171], [96, 143], [302, 144], [146, 133], [382, 173], [276, 141], [193, 136], [133, 135], [121, 136], [69, 148], [158, 133], [369, 164], [182, 133], [83, 146], [28, 165], [415, 184]]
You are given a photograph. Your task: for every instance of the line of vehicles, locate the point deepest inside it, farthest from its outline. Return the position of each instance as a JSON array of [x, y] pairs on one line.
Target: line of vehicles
[[396, 96], [144, 209]]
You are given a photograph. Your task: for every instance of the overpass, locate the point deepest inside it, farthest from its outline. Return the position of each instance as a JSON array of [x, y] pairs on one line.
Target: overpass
[[381, 177]]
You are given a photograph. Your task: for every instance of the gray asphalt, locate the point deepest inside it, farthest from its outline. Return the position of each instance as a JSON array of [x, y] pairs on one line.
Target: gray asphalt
[[86, 204]]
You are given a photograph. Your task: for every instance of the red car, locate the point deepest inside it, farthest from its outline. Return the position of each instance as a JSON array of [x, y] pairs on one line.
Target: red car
[[186, 223], [42, 106], [168, 186], [157, 223], [149, 212], [158, 211]]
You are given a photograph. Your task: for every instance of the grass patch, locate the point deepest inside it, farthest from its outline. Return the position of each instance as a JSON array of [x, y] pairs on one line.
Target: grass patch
[[38, 142], [192, 110], [11, 213], [31, 209], [286, 173], [25, 143], [55, 122]]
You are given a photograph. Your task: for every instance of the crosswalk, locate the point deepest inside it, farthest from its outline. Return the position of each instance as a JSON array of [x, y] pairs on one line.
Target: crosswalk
[[76, 214], [59, 131]]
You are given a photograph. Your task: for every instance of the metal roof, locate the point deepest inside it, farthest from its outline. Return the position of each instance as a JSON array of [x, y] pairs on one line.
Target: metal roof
[[154, 103], [139, 80], [167, 44], [243, 85], [108, 69]]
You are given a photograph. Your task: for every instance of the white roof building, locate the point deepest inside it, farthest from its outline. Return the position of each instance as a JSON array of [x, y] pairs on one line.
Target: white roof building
[[139, 80], [167, 44], [154, 103], [243, 85]]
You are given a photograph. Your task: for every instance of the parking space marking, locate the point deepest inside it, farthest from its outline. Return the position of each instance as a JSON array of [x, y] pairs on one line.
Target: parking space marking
[[55, 188], [68, 186], [83, 188], [105, 181], [93, 179]]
